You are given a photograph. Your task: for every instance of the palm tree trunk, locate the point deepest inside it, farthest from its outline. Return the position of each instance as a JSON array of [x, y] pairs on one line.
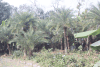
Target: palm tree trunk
[[12, 46], [52, 45], [61, 45], [4, 48], [65, 43], [9, 49], [25, 52], [68, 42], [30, 54], [88, 43]]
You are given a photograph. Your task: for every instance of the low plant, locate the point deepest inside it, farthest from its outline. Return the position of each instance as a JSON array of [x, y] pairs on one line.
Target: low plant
[[17, 53], [47, 59]]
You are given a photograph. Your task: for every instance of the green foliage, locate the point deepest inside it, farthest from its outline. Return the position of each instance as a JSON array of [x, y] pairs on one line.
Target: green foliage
[[24, 29], [5, 10], [60, 18], [5, 32], [47, 59], [96, 48], [17, 54], [97, 64], [93, 16], [94, 12], [21, 21], [29, 39], [28, 31], [45, 26]]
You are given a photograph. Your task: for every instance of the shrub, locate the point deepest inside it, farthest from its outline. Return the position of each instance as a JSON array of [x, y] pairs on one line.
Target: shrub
[[46, 59], [17, 53]]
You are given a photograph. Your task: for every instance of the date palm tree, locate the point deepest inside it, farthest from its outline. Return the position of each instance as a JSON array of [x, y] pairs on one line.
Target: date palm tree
[[22, 20], [94, 13], [6, 35], [44, 26], [62, 17], [27, 40]]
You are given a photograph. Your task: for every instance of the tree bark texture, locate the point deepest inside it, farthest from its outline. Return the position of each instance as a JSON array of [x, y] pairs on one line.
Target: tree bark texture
[[25, 52], [68, 42], [61, 45], [9, 49], [65, 43]]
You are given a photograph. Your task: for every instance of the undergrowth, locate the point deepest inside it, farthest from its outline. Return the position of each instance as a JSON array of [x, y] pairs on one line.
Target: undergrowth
[[77, 59], [48, 58]]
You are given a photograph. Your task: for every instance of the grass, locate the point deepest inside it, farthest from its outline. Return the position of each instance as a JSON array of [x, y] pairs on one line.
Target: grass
[[73, 59], [47, 58]]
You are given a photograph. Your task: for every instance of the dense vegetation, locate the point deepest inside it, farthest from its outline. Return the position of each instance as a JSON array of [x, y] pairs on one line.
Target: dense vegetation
[[27, 29], [73, 59]]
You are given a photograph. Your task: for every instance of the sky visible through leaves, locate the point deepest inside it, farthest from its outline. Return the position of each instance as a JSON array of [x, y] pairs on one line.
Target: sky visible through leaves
[[47, 4]]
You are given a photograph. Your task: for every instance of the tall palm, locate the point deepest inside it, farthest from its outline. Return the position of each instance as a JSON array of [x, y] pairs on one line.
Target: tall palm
[[94, 13], [6, 34], [80, 25], [62, 17], [21, 20], [27, 40], [88, 23], [44, 26]]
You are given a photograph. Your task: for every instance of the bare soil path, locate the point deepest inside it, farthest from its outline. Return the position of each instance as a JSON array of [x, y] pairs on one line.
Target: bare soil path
[[7, 62]]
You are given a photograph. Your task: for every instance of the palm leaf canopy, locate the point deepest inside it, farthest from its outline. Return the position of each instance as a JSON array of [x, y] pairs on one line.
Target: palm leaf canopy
[[94, 13], [29, 38], [21, 20], [5, 34], [62, 16]]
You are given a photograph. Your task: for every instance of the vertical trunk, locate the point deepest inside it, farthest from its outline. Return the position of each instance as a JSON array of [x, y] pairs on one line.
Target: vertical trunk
[[79, 40], [61, 45], [54, 47], [90, 41], [51, 44], [12, 46], [87, 43], [25, 52], [30, 54], [4, 47], [68, 42], [9, 49], [65, 43]]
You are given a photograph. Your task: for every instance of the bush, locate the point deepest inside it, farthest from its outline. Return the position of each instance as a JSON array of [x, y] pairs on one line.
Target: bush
[[17, 53], [46, 59]]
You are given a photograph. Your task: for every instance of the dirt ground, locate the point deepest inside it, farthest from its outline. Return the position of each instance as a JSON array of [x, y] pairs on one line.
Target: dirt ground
[[7, 62]]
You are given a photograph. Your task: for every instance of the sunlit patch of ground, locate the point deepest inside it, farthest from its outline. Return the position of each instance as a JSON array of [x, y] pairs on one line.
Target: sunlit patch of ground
[[7, 62]]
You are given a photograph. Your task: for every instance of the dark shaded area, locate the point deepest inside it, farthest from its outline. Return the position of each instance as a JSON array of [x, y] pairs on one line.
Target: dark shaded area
[[77, 44], [5, 11], [4, 48], [56, 45], [38, 47], [83, 45]]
